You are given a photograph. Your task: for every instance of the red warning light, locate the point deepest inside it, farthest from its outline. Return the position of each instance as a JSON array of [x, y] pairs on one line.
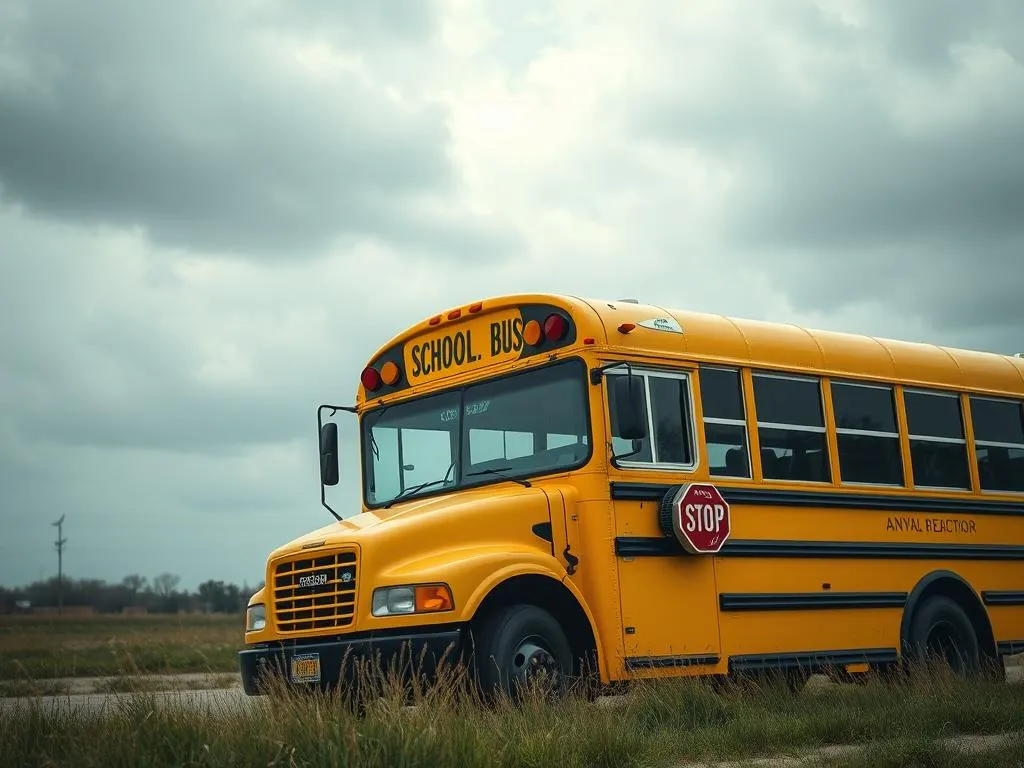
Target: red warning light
[[555, 327], [370, 379]]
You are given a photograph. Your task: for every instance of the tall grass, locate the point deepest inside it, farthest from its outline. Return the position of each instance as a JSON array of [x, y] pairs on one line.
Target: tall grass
[[653, 723]]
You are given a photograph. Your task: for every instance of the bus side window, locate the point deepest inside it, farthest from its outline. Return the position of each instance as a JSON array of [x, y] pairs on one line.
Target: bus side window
[[999, 443], [938, 448], [867, 435], [791, 422], [725, 425]]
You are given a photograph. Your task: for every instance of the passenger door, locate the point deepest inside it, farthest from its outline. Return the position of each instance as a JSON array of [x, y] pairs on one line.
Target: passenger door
[[669, 601]]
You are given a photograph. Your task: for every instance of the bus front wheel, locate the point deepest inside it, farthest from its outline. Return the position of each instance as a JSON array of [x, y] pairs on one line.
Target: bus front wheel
[[942, 632], [520, 647]]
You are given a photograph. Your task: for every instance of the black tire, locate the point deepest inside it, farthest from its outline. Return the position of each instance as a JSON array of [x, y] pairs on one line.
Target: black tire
[[519, 646], [941, 632]]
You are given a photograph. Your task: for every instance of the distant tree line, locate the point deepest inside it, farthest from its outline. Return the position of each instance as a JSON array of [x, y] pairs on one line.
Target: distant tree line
[[134, 592]]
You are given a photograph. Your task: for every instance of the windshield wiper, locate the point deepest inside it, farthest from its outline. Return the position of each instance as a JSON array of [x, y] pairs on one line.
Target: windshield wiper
[[501, 473], [417, 488], [414, 489]]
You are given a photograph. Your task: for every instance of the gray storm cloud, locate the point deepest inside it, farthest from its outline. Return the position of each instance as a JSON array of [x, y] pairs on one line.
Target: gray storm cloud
[[202, 127], [212, 215], [888, 150]]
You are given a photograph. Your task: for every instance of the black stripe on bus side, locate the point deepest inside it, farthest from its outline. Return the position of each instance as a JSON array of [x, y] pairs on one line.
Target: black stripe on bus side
[[1010, 647], [647, 546], [662, 662], [663, 546], [809, 601], [1003, 597], [621, 491], [811, 659]]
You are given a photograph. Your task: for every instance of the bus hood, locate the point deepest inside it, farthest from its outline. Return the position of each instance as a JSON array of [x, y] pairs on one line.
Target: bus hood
[[435, 515]]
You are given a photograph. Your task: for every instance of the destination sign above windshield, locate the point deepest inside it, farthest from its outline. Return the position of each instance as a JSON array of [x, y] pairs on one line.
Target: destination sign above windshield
[[466, 342], [483, 341]]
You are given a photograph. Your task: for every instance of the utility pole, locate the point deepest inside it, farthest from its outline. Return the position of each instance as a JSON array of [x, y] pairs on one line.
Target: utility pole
[[61, 541]]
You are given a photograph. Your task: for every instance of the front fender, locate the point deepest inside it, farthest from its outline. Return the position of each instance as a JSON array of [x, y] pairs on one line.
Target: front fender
[[475, 575], [472, 574], [548, 567]]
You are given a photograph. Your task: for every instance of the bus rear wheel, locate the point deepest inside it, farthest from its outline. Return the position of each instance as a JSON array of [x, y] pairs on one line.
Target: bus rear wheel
[[942, 633], [521, 647]]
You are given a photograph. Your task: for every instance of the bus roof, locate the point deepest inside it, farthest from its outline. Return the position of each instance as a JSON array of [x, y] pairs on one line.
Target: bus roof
[[790, 347], [704, 337]]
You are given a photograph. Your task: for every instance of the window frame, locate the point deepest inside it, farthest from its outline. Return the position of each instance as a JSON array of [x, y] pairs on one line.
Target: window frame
[[744, 422], [689, 423], [956, 396], [992, 443], [824, 429], [894, 395]]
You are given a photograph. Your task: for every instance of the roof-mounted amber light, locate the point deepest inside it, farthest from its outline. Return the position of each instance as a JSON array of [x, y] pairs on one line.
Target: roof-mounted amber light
[[390, 373], [532, 333]]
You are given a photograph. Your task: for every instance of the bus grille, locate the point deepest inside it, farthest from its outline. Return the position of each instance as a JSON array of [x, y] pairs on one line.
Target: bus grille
[[316, 592]]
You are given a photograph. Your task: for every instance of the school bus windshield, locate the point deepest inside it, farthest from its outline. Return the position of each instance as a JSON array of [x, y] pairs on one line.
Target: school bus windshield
[[516, 426]]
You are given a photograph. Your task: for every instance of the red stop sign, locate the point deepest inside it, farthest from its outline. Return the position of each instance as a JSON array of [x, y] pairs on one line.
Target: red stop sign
[[700, 517]]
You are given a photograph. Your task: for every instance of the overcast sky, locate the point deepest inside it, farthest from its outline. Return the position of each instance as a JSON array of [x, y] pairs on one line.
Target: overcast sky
[[210, 218]]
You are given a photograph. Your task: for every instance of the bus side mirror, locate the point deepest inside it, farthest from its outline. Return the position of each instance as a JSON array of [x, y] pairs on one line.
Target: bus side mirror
[[629, 413], [329, 453]]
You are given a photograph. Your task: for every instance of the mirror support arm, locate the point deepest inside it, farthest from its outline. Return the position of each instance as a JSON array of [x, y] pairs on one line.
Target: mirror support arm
[[319, 427], [597, 373]]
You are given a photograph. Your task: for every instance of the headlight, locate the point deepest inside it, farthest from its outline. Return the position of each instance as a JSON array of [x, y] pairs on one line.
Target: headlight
[[255, 618], [422, 598]]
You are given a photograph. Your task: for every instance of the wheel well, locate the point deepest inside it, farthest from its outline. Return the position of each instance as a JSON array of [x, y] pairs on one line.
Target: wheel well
[[548, 594], [954, 587]]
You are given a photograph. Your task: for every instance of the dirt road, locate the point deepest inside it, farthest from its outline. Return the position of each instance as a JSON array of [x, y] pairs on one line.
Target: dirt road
[[213, 700]]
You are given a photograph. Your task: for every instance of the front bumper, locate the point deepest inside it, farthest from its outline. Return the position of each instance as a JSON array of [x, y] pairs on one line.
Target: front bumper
[[326, 663]]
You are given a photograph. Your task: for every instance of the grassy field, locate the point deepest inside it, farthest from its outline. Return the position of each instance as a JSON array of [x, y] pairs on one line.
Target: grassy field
[[675, 723], [35, 648], [670, 723]]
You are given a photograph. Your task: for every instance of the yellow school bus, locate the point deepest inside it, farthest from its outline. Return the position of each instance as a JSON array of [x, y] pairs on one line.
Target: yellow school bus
[[549, 482]]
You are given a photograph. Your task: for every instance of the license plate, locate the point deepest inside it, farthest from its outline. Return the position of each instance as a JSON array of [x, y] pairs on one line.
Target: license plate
[[305, 668]]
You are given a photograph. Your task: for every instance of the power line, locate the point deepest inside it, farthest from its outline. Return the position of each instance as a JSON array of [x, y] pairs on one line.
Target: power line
[[61, 541]]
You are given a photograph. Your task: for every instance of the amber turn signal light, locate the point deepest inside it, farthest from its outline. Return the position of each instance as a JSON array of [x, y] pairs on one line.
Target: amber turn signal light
[[434, 597], [390, 373], [533, 334]]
